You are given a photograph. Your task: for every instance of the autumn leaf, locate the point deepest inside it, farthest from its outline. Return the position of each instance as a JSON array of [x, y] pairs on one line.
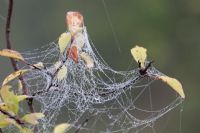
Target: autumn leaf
[[3, 123], [38, 65], [10, 99], [63, 41], [11, 54], [57, 64], [74, 21], [88, 60], [26, 130], [3, 106], [140, 55], [174, 84], [61, 128], [14, 75], [12, 121], [33, 118], [73, 53], [20, 86], [62, 73]]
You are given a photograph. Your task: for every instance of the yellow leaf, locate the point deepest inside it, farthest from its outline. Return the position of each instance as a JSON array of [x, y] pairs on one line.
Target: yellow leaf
[[11, 100], [11, 121], [61, 128], [4, 106], [62, 73], [11, 54], [33, 118], [88, 60], [38, 65], [3, 122], [26, 130], [140, 55], [63, 41], [14, 75], [20, 86], [174, 83], [57, 64], [21, 97]]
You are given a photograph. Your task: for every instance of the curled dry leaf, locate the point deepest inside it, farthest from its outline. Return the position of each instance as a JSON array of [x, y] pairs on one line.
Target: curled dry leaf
[[14, 75], [140, 55], [61, 128], [88, 60], [63, 41], [74, 21], [62, 73], [174, 84], [73, 53], [11, 54]]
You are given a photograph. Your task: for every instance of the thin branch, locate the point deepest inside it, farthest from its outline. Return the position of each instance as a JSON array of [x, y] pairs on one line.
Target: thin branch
[[20, 122], [9, 46], [144, 71], [13, 62]]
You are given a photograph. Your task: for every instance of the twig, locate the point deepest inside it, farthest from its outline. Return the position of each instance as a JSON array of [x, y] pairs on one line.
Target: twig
[[20, 122], [144, 71], [13, 62]]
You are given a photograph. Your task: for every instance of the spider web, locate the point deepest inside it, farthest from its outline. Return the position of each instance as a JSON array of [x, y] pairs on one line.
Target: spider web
[[99, 99]]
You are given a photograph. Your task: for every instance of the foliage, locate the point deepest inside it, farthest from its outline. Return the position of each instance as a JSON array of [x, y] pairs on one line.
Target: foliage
[[68, 48]]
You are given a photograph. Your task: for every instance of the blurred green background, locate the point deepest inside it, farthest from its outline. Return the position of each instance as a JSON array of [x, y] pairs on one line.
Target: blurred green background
[[169, 29]]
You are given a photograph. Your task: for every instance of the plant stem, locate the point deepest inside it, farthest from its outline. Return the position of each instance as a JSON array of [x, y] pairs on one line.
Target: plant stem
[[20, 122], [13, 62]]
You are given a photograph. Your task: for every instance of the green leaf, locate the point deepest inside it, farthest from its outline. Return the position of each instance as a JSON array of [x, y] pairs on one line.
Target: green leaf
[[33, 118], [61, 128]]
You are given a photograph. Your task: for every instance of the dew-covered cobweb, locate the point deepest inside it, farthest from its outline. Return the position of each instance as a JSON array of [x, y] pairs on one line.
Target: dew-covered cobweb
[[97, 99]]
